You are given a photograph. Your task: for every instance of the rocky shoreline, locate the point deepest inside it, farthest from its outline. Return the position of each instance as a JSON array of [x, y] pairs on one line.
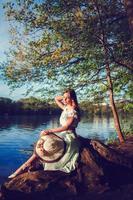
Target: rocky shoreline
[[103, 173]]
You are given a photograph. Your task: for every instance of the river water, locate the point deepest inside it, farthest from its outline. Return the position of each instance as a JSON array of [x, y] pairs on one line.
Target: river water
[[19, 133]]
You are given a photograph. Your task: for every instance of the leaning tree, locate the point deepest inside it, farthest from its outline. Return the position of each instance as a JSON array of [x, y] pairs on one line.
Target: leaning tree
[[85, 44]]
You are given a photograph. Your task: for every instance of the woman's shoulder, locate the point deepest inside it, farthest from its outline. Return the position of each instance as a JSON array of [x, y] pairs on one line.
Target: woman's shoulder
[[70, 109], [71, 112]]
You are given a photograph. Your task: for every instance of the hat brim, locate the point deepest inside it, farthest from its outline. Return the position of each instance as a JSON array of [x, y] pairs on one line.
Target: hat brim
[[50, 158]]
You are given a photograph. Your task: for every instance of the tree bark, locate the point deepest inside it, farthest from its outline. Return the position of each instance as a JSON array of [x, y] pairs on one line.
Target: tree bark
[[129, 9], [113, 106], [99, 168]]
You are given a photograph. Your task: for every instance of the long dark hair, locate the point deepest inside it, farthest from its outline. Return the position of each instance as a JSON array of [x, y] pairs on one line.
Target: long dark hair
[[74, 98]]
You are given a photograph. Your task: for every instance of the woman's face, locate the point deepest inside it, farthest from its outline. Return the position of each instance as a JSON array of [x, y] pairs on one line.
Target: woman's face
[[67, 99]]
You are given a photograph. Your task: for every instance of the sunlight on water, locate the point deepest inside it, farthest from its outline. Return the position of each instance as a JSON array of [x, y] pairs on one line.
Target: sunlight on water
[[18, 134], [99, 128]]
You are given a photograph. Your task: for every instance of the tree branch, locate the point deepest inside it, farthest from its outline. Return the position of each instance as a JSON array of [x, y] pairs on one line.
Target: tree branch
[[124, 65], [77, 60], [118, 18], [119, 62]]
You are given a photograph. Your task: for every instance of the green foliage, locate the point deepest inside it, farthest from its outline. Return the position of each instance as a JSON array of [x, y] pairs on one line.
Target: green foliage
[[112, 140], [33, 103], [127, 124], [60, 43], [129, 107]]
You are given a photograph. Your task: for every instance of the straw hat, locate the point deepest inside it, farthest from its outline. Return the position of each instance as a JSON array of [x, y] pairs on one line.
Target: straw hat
[[50, 148]]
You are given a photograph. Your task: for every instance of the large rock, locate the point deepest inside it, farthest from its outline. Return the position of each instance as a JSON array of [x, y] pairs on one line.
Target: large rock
[[99, 169]]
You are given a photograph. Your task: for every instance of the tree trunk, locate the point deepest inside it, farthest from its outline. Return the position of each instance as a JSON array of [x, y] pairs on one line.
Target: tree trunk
[[104, 43], [113, 106], [111, 93], [129, 9]]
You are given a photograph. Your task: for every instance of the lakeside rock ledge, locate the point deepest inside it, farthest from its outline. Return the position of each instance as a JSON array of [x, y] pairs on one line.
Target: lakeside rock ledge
[[102, 172]]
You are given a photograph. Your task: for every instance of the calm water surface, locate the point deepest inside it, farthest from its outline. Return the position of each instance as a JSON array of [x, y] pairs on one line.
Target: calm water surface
[[19, 133]]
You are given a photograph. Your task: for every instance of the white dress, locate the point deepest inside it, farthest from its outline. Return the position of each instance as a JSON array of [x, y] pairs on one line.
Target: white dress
[[68, 162]]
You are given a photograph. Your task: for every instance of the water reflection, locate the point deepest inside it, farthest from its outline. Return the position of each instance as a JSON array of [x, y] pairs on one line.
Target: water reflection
[[25, 122], [19, 133], [96, 127]]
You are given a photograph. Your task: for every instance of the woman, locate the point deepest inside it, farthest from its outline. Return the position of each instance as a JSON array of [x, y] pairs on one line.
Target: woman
[[69, 120]]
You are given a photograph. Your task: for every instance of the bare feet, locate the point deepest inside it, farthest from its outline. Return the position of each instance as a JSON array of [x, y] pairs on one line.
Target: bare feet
[[12, 176], [24, 167], [21, 170]]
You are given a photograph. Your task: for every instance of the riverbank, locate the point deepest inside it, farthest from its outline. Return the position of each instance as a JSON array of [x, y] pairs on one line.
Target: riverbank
[[125, 190], [104, 176]]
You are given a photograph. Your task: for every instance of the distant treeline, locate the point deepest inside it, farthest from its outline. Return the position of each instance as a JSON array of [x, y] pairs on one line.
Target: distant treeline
[[123, 107], [34, 105], [29, 106]]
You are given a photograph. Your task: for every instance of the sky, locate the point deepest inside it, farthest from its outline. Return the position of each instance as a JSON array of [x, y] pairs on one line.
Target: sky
[[4, 35], [4, 46]]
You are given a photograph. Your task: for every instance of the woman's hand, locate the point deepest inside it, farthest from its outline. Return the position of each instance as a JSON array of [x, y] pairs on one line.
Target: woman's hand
[[44, 132], [59, 98], [59, 101]]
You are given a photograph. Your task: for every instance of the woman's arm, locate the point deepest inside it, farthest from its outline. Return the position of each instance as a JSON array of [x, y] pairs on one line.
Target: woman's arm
[[59, 101], [66, 127]]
